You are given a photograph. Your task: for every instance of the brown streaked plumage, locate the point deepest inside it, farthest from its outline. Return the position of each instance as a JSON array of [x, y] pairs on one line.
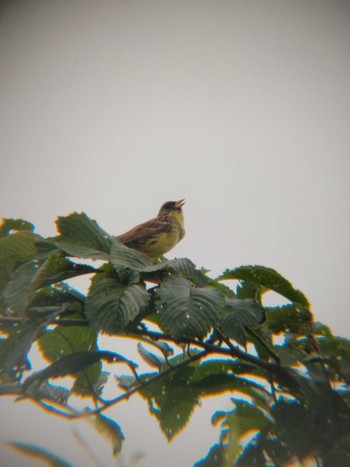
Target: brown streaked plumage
[[160, 234]]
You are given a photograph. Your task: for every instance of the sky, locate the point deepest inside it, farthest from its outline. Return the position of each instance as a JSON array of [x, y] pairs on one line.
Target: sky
[[241, 107]]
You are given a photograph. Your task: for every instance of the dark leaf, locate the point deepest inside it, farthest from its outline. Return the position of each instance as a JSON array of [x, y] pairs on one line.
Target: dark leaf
[[83, 237], [14, 349], [56, 269], [111, 305], [72, 364], [172, 400], [17, 294], [9, 226], [241, 314], [64, 341], [18, 247], [288, 318], [268, 278], [186, 310], [122, 256]]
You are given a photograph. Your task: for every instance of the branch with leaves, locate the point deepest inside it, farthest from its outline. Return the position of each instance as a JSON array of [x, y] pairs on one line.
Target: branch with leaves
[[199, 336]]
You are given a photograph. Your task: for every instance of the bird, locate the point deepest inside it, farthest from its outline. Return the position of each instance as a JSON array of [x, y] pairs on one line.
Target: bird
[[159, 235]]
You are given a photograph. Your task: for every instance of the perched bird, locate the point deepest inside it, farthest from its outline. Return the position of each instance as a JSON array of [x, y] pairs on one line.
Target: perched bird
[[159, 235]]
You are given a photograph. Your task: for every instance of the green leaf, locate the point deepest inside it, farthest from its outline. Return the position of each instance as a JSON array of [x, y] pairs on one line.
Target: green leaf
[[17, 247], [9, 226], [17, 294], [241, 313], [268, 278], [110, 430], [57, 269], [184, 266], [188, 269], [288, 318], [83, 237], [64, 341], [111, 305], [72, 364], [172, 400], [37, 452], [122, 256], [235, 425], [186, 310], [14, 349]]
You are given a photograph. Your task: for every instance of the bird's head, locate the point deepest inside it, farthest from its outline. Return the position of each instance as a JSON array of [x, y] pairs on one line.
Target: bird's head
[[171, 206]]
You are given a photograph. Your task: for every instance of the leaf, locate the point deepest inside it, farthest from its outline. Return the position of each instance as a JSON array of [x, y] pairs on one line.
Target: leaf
[[184, 266], [83, 237], [171, 400], [72, 364], [111, 305], [149, 357], [122, 256], [188, 311], [37, 452], [110, 430], [269, 278], [241, 313], [214, 377], [235, 425], [17, 294], [57, 269], [8, 226], [288, 318], [44, 390], [14, 349], [17, 247], [64, 341], [188, 270]]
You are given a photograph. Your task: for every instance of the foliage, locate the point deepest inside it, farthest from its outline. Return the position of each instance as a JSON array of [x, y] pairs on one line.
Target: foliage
[[199, 337]]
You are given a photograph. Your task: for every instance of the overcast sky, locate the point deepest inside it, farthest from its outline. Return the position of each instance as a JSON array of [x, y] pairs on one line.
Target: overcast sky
[[241, 107]]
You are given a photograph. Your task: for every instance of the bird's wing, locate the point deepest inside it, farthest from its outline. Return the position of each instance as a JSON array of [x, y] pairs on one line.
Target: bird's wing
[[145, 231]]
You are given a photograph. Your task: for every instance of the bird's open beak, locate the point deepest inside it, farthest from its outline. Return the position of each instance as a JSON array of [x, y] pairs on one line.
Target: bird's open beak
[[179, 204]]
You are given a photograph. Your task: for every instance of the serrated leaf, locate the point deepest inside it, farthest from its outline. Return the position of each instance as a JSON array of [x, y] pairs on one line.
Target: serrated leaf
[[268, 278], [122, 256], [83, 237], [17, 294], [172, 400], [18, 247], [110, 305], [38, 452], [110, 430], [288, 318], [189, 270], [186, 310], [44, 390], [72, 364], [64, 341], [149, 357], [56, 269], [8, 226], [184, 266], [241, 313], [14, 349]]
